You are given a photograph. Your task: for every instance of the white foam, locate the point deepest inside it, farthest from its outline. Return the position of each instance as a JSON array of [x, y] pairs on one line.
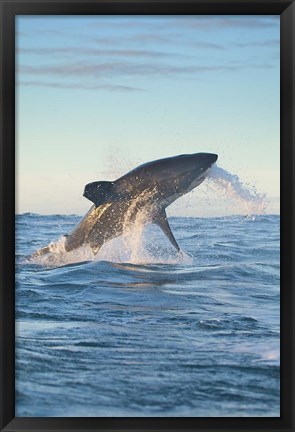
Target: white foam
[[132, 247], [58, 256]]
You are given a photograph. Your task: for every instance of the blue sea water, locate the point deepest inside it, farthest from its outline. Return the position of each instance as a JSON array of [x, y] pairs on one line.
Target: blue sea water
[[142, 331]]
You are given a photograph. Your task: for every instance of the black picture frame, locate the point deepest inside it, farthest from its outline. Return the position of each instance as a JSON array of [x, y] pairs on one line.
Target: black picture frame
[[11, 8]]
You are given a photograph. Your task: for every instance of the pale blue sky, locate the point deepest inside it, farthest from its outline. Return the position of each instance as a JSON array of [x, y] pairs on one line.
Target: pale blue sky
[[98, 95]]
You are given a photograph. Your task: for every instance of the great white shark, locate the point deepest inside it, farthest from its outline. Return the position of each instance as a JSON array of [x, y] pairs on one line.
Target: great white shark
[[145, 191]]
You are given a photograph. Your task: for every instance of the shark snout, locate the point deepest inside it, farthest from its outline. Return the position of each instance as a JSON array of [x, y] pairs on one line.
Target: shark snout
[[204, 160], [209, 159], [213, 158]]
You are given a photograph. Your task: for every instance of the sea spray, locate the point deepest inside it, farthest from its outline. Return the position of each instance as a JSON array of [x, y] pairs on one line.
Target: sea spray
[[248, 199]]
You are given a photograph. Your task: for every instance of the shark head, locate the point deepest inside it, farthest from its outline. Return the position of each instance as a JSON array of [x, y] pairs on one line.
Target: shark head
[[196, 163], [168, 178], [177, 175], [194, 168]]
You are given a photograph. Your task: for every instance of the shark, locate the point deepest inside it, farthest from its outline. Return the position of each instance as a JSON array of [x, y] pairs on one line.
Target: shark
[[145, 190]]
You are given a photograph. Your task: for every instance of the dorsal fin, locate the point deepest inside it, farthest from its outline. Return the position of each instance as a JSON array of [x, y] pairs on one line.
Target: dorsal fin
[[161, 220], [100, 192]]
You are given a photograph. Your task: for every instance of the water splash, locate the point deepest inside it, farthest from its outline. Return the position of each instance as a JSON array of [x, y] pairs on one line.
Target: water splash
[[58, 256], [247, 197], [139, 245]]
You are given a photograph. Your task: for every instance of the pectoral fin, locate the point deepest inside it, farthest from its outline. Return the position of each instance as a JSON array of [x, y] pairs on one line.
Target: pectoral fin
[[161, 220]]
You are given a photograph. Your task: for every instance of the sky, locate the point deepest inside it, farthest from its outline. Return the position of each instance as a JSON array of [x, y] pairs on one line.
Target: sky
[[98, 95]]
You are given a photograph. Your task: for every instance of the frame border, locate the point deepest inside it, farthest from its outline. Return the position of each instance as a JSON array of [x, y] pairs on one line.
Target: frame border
[[8, 10]]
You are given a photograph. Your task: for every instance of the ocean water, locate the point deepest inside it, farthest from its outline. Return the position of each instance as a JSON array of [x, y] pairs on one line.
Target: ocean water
[[140, 330]]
